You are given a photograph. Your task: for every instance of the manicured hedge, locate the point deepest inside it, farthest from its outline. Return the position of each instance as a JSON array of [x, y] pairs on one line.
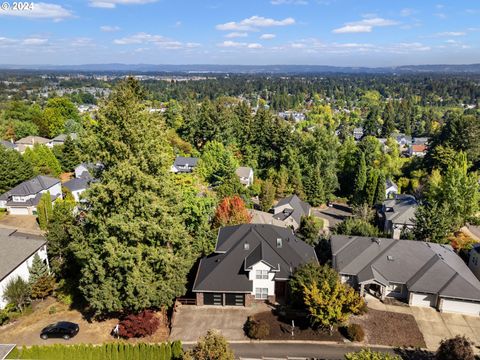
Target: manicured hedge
[[111, 351]]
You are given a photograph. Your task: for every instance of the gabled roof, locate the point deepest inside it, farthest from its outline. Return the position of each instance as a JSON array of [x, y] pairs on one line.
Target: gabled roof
[[7, 144], [298, 208], [185, 161], [76, 184], [423, 267], [16, 248], [31, 187], [227, 269], [63, 137], [403, 209], [389, 183], [29, 140], [243, 171]]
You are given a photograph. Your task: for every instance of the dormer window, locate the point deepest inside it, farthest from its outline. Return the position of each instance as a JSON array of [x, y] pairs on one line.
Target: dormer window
[[279, 242], [246, 246]]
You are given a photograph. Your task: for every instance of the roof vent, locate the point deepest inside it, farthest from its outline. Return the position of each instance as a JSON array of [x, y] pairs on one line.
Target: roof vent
[[246, 246], [390, 258], [279, 242], [376, 240]]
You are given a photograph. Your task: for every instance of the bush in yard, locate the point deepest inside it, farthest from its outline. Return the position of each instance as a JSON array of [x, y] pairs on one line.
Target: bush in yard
[[457, 348], [17, 292], [354, 332], [256, 329], [212, 346], [43, 287], [139, 325], [367, 354]]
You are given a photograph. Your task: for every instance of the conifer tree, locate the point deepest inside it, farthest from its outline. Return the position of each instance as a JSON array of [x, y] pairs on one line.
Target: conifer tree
[[44, 210], [13, 169], [360, 180]]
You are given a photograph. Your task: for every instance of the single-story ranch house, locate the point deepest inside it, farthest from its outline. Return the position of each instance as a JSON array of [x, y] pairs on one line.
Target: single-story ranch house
[[421, 273], [251, 262], [16, 256], [23, 198]]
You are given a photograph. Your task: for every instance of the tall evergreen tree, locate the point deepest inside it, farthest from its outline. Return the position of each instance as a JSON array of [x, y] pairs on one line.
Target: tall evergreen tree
[[13, 169], [44, 210], [360, 180], [134, 251]]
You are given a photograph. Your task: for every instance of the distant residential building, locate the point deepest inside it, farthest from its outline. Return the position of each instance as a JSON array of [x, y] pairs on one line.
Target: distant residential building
[[474, 260], [184, 164], [290, 210], [358, 133], [16, 257], [23, 198], [87, 171], [294, 115], [391, 189], [251, 263], [8, 144], [77, 186], [398, 214], [420, 273], [262, 217], [245, 175], [404, 141], [60, 139], [419, 150], [30, 142]]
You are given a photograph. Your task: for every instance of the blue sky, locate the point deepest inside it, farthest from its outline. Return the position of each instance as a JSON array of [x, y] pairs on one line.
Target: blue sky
[[321, 32]]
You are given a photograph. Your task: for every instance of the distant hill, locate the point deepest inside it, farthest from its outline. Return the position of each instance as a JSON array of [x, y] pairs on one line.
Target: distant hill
[[252, 69]]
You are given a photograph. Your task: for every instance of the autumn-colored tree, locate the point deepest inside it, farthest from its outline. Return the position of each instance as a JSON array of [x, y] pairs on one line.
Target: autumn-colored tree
[[232, 211], [330, 305]]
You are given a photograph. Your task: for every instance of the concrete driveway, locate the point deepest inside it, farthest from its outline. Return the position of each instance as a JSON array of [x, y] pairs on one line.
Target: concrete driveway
[[191, 322], [25, 223], [436, 326], [333, 215]]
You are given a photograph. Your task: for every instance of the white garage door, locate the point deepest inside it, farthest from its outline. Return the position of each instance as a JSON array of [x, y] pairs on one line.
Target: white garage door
[[461, 307], [425, 300], [18, 211]]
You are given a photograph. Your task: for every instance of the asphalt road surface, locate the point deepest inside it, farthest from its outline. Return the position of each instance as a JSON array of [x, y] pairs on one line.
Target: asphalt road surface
[[335, 214], [294, 350]]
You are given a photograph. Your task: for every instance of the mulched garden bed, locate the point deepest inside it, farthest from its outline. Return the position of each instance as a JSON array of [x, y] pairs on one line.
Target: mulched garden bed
[[280, 328], [390, 328]]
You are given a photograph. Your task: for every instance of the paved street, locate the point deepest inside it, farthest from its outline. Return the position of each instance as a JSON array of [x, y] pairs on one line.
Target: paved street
[[334, 215]]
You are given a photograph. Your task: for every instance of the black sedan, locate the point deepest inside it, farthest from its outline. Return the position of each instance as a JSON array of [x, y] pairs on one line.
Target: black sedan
[[62, 329]]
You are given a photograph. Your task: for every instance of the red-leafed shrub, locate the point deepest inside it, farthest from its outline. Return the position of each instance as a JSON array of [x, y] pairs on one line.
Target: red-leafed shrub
[[139, 325]]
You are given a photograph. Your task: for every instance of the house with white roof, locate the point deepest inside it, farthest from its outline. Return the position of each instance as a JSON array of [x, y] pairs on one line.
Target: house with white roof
[[245, 175]]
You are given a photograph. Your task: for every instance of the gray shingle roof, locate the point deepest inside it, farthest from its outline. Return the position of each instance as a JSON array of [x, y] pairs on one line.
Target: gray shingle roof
[[29, 140], [76, 184], [185, 161], [62, 137], [423, 267], [225, 270], [16, 248], [7, 144], [403, 209], [31, 187], [299, 208]]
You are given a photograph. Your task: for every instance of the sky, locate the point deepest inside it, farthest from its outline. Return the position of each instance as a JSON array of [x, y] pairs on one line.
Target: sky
[[248, 32]]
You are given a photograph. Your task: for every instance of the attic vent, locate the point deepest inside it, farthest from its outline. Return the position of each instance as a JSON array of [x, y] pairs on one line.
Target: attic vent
[[390, 258], [246, 246], [279, 242]]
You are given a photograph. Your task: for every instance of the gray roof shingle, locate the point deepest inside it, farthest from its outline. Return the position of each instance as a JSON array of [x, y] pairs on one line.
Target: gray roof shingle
[[31, 187], [226, 269], [298, 208], [422, 266]]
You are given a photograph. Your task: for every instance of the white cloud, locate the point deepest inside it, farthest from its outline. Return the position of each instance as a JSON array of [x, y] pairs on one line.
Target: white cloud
[[452, 33], [288, 2], [41, 11], [111, 4], [157, 40], [34, 41], [364, 26], [407, 12], [106, 28], [236, 35], [254, 23], [234, 44], [267, 36]]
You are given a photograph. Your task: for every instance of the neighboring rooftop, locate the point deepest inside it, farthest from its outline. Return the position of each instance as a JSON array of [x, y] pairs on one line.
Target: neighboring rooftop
[[62, 137], [7, 144], [243, 171], [31, 187], [262, 217], [16, 248], [185, 161], [400, 209], [76, 184], [30, 140], [422, 266], [296, 208], [240, 247]]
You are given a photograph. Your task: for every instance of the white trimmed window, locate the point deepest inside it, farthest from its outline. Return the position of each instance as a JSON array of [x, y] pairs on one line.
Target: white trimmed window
[[261, 274], [261, 293]]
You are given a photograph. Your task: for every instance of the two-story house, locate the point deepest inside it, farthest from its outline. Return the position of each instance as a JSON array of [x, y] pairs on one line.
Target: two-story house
[[30, 142], [245, 175], [184, 164], [23, 198], [290, 210], [398, 214], [251, 262]]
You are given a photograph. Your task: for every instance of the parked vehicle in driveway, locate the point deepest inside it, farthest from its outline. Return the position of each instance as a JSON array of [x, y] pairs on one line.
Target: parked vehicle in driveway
[[62, 329]]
